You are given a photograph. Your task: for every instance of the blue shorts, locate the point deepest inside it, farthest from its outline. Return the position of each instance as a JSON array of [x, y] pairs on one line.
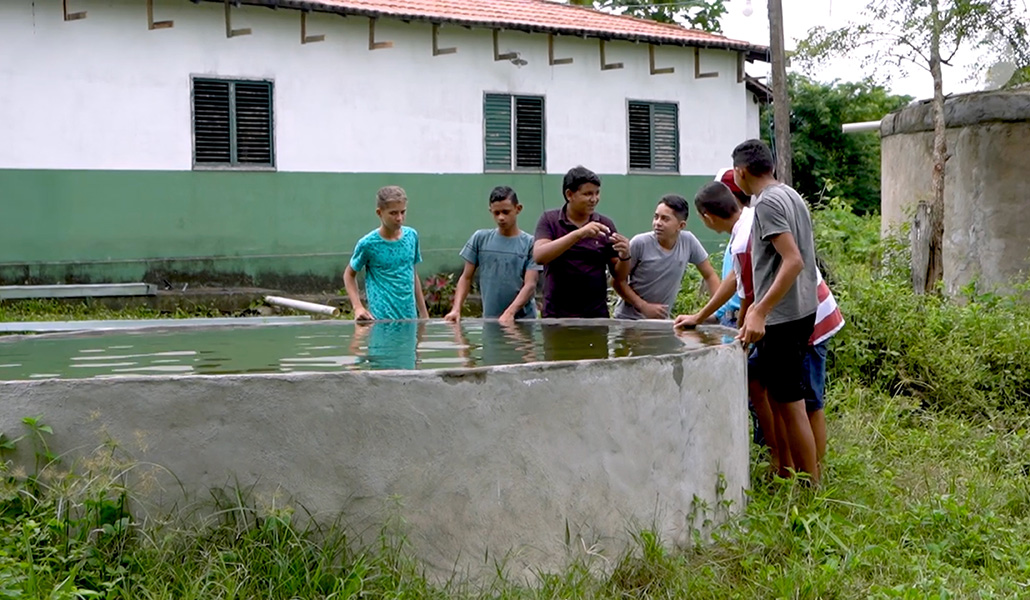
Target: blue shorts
[[815, 377]]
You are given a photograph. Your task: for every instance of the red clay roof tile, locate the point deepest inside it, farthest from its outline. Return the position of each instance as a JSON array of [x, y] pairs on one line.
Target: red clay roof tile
[[528, 15]]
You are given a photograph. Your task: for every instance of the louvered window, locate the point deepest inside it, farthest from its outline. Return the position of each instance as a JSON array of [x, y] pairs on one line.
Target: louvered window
[[654, 137], [514, 133], [232, 123]]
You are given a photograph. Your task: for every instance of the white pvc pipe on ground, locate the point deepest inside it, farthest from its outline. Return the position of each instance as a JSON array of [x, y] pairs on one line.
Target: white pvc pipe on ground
[[311, 307]]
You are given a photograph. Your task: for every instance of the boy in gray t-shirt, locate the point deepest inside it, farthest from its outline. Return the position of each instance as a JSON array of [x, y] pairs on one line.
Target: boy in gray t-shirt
[[782, 318], [503, 257], [649, 281]]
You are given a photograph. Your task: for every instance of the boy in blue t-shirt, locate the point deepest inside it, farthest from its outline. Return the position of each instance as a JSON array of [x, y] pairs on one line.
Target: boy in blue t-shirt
[[388, 255], [504, 259]]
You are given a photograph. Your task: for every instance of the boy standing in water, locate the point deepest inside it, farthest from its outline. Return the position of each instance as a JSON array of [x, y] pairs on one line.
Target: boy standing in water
[[577, 247], [649, 281], [504, 259], [388, 255]]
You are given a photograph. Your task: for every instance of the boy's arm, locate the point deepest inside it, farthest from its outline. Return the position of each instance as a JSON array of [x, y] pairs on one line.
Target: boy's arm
[[350, 283], [546, 250], [710, 276], [791, 266], [461, 292], [527, 291], [745, 304], [420, 299], [722, 294], [648, 309]]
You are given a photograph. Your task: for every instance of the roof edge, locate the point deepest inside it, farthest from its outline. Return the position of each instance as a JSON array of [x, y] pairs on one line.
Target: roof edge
[[753, 52]]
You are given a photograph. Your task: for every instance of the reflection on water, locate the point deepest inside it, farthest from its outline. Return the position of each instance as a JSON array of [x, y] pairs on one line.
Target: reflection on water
[[332, 346]]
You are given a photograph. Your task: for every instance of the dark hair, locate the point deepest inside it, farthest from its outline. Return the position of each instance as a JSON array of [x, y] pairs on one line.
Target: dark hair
[[754, 156], [502, 193], [678, 204], [716, 199], [576, 177]]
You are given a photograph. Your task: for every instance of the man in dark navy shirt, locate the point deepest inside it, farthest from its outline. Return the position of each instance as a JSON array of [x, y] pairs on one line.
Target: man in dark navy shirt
[[577, 246]]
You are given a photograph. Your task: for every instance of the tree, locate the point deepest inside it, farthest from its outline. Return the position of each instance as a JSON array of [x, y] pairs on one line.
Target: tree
[[696, 14], [822, 154], [928, 34]]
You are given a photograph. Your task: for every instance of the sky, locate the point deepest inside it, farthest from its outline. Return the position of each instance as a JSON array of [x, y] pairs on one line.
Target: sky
[[801, 15]]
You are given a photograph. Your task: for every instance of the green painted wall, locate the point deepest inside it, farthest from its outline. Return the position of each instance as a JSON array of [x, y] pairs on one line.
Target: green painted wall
[[282, 230]]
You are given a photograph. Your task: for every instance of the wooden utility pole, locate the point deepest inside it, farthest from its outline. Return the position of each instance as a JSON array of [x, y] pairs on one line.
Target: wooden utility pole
[[781, 101]]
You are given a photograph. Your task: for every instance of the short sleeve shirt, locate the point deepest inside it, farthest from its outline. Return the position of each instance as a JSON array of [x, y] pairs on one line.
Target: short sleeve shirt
[[501, 263], [389, 273], [779, 209], [656, 274], [740, 251], [576, 283]]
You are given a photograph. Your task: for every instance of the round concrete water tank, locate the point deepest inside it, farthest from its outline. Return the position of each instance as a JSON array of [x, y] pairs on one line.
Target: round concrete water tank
[[528, 464], [987, 190]]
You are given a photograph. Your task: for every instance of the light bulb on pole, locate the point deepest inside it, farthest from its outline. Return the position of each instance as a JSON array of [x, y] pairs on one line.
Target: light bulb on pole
[[748, 11]]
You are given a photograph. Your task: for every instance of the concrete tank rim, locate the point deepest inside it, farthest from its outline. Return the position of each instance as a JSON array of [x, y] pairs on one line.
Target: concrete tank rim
[[408, 374], [961, 110]]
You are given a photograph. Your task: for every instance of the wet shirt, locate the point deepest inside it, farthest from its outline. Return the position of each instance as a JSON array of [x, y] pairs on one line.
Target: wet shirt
[[779, 209], [656, 274], [501, 263], [389, 273], [576, 283]]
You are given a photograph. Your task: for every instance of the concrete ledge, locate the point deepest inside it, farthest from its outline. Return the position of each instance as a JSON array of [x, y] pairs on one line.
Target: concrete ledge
[[1009, 106]]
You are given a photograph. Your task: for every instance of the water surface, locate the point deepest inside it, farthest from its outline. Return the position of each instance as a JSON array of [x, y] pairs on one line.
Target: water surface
[[326, 346]]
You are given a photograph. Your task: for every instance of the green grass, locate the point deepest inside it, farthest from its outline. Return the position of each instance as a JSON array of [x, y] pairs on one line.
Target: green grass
[[925, 491], [60, 310]]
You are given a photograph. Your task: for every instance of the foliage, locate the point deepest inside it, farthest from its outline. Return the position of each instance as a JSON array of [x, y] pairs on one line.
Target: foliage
[[822, 153], [696, 14], [79, 310], [439, 293], [965, 356], [899, 33]]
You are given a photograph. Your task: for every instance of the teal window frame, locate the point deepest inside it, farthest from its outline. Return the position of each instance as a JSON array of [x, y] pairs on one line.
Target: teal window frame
[[508, 127], [652, 137], [259, 140]]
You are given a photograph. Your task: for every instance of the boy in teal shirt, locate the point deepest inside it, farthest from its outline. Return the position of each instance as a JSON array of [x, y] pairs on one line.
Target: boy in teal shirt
[[388, 255], [504, 259]]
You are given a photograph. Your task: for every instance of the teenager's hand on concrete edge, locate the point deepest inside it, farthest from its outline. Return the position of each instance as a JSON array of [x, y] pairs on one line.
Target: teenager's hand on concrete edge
[[654, 311], [362, 314], [507, 318], [452, 317], [594, 229], [686, 322], [621, 245], [753, 328]]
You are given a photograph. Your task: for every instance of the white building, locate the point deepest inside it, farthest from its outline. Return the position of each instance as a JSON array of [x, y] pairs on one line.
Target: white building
[[215, 141]]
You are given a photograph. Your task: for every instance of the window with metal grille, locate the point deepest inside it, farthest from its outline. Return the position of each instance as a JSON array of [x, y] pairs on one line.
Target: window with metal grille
[[514, 133], [232, 123], [654, 137]]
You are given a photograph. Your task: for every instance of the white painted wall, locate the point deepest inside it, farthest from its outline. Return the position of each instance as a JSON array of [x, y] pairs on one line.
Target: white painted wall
[[107, 93], [754, 119]]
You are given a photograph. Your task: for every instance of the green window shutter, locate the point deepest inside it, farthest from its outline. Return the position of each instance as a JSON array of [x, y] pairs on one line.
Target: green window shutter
[[253, 122], [665, 138], [212, 122], [529, 132], [639, 135], [497, 132], [232, 123]]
